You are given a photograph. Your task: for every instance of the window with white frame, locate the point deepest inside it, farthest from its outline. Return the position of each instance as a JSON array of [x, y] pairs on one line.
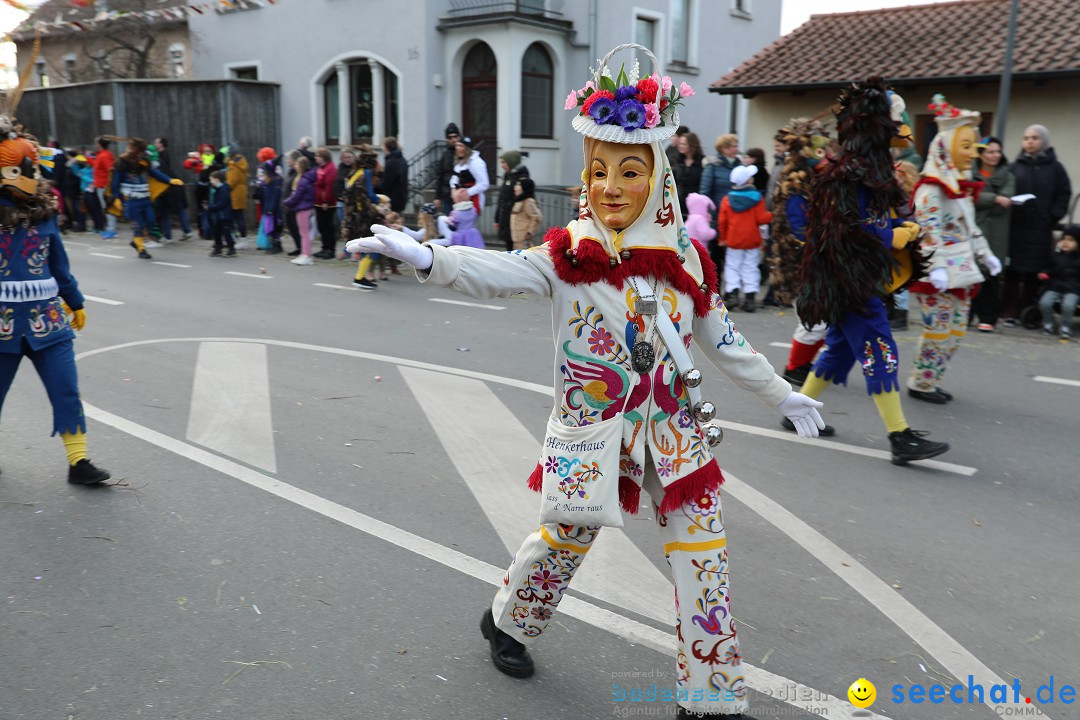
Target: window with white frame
[[537, 86], [645, 34], [176, 60], [680, 31], [70, 61], [249, 72]]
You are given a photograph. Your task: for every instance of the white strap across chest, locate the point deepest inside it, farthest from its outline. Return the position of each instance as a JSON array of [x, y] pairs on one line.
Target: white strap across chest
[[670, 336]]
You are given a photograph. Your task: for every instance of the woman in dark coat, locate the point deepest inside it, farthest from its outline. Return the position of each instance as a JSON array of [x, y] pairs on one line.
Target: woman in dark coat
[[513, 173], [993, 210], [687, 169], [1038, 172]]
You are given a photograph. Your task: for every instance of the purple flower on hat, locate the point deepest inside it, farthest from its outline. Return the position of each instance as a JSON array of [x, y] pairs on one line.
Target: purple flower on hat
[[631, 115], [603, 110], [625, 93]]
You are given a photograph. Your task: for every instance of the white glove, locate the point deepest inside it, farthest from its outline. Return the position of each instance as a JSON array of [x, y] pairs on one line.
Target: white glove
[[939, 278], [803, 413], [992, 264], [394, 244]]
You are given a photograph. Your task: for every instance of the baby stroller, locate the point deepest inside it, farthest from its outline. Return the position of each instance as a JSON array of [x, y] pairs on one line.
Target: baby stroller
[[1031, 317]]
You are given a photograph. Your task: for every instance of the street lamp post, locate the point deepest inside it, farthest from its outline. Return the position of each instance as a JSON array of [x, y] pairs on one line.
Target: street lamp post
[[1006, 74]]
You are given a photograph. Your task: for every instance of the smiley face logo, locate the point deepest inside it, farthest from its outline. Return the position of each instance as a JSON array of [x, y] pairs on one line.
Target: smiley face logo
[[862, 693]]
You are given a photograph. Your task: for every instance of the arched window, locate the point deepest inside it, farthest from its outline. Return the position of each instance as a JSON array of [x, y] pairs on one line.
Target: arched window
[[537, 79], [360, 103], [479, 100]]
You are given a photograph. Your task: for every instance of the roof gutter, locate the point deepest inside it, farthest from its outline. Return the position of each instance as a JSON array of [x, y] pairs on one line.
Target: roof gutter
[[749, 90]]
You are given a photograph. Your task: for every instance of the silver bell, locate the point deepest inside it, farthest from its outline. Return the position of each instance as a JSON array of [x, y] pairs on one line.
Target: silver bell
[[714, 434], [692, 378], [704, 411]]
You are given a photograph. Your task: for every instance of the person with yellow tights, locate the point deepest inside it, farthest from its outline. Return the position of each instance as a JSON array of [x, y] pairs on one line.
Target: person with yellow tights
[[36, 289], [859, 251]]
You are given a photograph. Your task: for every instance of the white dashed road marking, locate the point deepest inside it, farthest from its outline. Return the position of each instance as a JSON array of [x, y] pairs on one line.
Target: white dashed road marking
[[1057, 381], [335, 287], [468, 304], [104, 301], [786, 346], [114, 257], [158, 262], [250, 275]]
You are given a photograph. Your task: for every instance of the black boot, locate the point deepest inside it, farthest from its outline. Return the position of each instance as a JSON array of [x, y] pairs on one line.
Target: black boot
[[509, 656], [275, 248], [84, 473], [731, 300], [908, 445], [797, 376], [749, 303], [933, 396]]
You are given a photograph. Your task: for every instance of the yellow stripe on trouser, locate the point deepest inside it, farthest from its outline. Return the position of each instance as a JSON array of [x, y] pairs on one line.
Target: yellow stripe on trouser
[[694, 546], [561, 546], [936, 336]]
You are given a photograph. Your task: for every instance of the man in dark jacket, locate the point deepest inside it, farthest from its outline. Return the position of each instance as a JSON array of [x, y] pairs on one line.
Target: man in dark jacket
[[446, 168], [394, 182], [174, 199], [513, 173], [1038, 172]]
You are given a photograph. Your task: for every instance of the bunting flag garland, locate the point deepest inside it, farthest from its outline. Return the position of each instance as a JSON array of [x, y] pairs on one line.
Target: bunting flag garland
[[179, 12]]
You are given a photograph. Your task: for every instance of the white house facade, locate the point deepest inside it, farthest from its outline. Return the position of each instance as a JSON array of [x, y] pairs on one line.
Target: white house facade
[[360, 70]]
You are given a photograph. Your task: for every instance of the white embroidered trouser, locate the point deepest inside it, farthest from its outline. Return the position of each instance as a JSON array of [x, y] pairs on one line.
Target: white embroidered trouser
[[812, 336], [741, 270], [944, 317], [708, 667]]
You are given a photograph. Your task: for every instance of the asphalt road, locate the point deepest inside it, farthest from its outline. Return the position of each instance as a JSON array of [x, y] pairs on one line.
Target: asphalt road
[[290, 536]]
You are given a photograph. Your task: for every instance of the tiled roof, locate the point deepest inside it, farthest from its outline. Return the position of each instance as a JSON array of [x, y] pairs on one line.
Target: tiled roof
[[953, 41], [53, 13]]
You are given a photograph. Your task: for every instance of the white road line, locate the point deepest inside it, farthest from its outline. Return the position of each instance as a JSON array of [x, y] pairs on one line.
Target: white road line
[[469, 304], [786, 346], [76, 242], [114, 257], [336, 287], [891, 603], [167, 264], [488, 446], [842, 447], [1057, 381], [105, 301], [498, 379], [251, 275], [626, 628], [230, 403]]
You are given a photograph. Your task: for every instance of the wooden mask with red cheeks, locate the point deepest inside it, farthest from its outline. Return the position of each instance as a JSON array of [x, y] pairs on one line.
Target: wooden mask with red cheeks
[[619, 181]]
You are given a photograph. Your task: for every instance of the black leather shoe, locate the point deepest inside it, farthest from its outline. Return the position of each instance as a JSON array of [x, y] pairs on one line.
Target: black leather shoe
[[829, 430], [946, 395], [931, 397], [84, 473], [508, 654], [909, 445], [798, 375]]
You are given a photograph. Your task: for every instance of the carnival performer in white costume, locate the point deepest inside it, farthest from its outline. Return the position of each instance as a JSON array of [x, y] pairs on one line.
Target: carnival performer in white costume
[[611, 276]]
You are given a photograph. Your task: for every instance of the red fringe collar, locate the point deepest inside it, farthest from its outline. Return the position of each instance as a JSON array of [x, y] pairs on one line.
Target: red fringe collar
[[967, 187], [594, 265]]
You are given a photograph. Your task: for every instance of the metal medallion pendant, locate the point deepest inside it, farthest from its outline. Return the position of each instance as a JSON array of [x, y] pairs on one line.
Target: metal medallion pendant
[[643, 356], [645, 307]]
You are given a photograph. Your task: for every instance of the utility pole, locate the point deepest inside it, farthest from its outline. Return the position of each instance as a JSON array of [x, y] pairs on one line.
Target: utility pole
[[1006, 74]]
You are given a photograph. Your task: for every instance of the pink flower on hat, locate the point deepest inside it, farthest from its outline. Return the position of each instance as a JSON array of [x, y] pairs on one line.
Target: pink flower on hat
[[571, 101], [652, 115], [685, 90]]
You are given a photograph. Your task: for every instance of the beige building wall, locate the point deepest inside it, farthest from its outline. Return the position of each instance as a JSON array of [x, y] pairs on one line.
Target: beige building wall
[[1055, 104], [55, 49]]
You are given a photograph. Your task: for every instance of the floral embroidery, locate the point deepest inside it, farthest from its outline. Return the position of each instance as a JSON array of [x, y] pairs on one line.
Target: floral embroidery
[[7, 322], [5, 253], [35, 251], [47, 319], [601, 342]]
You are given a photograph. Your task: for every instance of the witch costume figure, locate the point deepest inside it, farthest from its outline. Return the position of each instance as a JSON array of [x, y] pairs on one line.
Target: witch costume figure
[[35, 283], [624, 266], [945, 210], [858, 252], [805, 150]]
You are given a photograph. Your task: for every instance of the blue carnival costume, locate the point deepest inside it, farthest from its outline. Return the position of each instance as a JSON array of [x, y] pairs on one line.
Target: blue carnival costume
[[34, 276], [131, 182]]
